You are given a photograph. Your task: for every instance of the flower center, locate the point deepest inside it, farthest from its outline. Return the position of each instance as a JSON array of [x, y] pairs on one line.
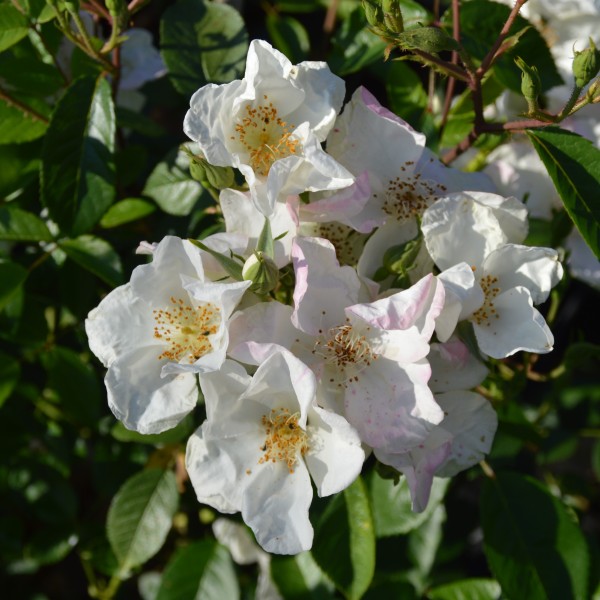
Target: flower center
[[265, 136], [186, 329], [285, 439], [344, 348], [348, 242], [408, 196], [487, 311]]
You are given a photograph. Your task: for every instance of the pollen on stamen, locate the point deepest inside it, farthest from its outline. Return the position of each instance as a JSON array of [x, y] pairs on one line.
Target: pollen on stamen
[[285, 439], [488, 309], [185, 329], [409, 196], [265, 136]]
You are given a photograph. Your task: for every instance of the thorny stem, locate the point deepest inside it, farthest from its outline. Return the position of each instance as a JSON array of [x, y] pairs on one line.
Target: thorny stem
[[27, 110]]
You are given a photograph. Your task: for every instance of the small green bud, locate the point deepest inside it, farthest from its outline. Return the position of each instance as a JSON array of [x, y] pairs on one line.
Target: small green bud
[[392, 16], [586, 65], [262, 271], [531, 86], [428, 39], [373, 12], [401, 259]]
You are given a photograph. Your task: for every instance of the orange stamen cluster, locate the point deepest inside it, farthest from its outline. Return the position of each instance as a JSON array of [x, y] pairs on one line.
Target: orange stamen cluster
[[487, 310], [186, 329], [265, 136], [285, 439]]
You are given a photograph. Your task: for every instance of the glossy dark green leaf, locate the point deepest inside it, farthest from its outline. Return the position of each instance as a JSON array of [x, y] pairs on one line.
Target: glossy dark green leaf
[[140, 516], [78, 173], [13, 26], [202, 42], [171, 186], [20, 165], [407, 96], [467, 589], [74, 383], [344, 545], [18, 224], [573, 163], [300, 578], [289, 36], [125, 211], [10, 371], [17, 125], [201, 571], [481, 22], [533, 545], [391, 505], [12, 277], [29, 75], [97, 256]]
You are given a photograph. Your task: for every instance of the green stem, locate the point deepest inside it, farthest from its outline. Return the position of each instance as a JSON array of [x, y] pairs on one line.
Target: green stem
[[566, 111]]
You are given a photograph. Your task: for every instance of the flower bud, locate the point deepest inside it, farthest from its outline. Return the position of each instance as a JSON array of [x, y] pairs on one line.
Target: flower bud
[[262, 271], [427, 39], [392, 16], [586, 65], [531, 86], [373, 12]]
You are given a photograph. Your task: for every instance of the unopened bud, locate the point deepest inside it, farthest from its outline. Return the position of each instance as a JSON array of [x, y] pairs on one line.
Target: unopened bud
[[531, 86], [392, 16], [373, 12], [427, 39], [262, 271], [586, 65]]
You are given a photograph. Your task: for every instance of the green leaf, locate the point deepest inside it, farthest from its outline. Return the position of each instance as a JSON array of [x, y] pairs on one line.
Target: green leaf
[[407, 96], [533, 546], [138, 122], [481, 21], [583, 357], [467, 589], [13, 26], [78, 173], [28, 74], [18, 126], [20, 165], [289, 36], [140, 516], [97, 256], [299, 577], [344, 545], [18, 224], [202, 42], [125, 211], [12, 277], [177, 434], [201, 571], [172, 187], [423, 542], [75, 384], [391, 505], [229, 264], [10, 371], [573, 163]]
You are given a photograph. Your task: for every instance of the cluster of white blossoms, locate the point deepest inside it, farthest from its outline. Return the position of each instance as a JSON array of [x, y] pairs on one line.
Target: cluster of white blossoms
[[348, 336]]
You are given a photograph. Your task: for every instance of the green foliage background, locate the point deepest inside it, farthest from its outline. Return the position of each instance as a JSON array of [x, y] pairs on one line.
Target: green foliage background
[[91, 509]]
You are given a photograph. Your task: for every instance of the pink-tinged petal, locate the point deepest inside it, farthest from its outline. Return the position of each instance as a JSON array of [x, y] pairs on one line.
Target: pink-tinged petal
[[518, 326], [453, 367], [369, 137], [536, 269], [418, 306], [336, 456], [463, 297], [472, 422], [275, 506], [142, 399], [420, 465], [391, 406], [323, 288], [349, 206]]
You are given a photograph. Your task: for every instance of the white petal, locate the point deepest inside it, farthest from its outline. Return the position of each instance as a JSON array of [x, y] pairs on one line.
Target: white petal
[[142, 399], [336, 456], [472, 422], [222, 388], [583, 264], [275, 506], [518, 326], [238, 540], [453, 367], [536, 269]]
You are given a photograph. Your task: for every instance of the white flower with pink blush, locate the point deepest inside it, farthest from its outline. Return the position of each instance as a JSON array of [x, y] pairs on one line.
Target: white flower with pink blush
[[270, 125], [263, 441], [369, 356]]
